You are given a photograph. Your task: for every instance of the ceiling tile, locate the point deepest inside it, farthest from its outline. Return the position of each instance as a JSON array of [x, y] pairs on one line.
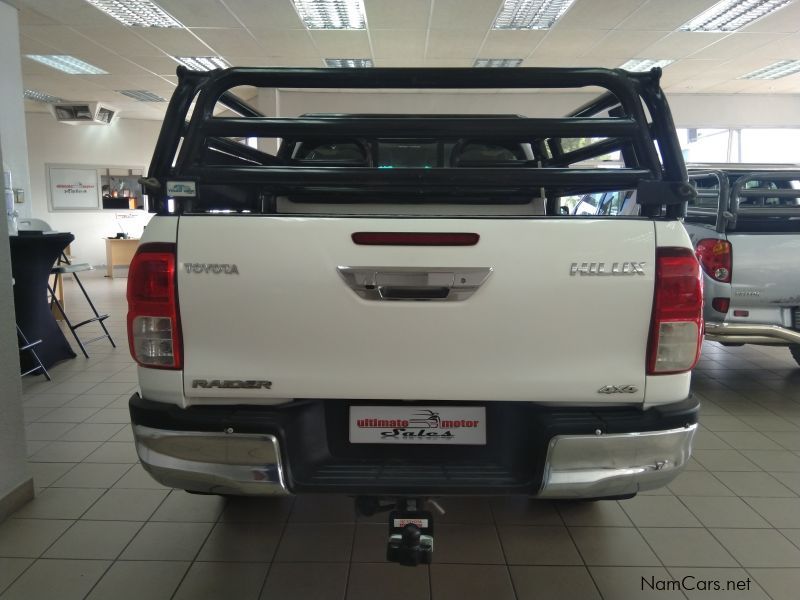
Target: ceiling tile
[[602, 15], [625, 44], [734, 45], [65, 40], [160, 65], [265, 14], [28, 16], [454, 44], [780, 49], [237, 41], [176, 42], [687, 69], [390, 43], [567, 42], [511, 44], [28, 45], [200, 13], [291, 42], [120, 40], [464, 15], [71, 12], [574, 61], [665, 14], [391, 14], [342, 44], [681, 43]]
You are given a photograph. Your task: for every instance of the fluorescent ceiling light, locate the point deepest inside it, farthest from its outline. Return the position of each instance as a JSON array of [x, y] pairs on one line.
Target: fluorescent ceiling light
[[645, 64], [136, 13], [67, 64], [497, 62], [202, 63], [730, 15], [332, 14], [41, 97], [348, 62], [782, 68], [142, 95], [530, 14]]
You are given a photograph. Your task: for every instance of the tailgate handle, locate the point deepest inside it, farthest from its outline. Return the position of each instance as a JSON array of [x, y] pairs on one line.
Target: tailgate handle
[[413, 293], [414, 283]]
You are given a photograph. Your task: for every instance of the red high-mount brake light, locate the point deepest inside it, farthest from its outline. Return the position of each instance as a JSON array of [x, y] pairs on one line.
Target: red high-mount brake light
[[154, 330], [400, 238], [716, 256], [676, 332]]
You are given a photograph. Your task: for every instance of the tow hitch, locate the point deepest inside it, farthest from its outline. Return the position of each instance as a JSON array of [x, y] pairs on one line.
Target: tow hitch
[[410, 540]]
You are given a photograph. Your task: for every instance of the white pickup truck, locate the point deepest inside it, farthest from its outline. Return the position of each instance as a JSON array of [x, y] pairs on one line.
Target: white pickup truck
[[396, 307], [745, 225]]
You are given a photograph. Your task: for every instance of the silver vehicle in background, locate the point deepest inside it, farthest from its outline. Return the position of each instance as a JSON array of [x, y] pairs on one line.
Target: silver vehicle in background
[[745, 226]]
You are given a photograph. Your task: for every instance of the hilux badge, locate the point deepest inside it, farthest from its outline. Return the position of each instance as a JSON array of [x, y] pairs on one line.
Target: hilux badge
[[602, 269]]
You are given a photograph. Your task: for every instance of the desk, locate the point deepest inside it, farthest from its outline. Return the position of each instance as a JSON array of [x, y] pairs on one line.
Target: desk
[[32, 257], [119, 253]]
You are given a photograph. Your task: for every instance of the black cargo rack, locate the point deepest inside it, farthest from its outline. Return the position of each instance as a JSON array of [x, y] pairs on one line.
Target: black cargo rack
[[731, 190], [653, 163]]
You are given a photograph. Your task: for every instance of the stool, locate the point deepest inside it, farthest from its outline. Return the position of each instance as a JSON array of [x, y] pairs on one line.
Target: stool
[[29, 346], [65, 267]]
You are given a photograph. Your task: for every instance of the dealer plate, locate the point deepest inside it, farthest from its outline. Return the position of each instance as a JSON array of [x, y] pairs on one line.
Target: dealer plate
[[459, 425]]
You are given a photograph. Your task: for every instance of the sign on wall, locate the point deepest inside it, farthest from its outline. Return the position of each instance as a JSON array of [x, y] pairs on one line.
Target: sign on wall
[[73, 188]]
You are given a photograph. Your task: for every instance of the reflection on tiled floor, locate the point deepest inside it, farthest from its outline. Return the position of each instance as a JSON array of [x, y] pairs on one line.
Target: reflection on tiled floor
[[100, 528]]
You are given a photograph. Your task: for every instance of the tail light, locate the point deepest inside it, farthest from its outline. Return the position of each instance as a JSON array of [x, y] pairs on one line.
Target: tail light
[[154, 330], [716, 258], [677, 325]]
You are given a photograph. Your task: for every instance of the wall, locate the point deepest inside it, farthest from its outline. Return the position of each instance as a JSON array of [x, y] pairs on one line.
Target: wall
[[689, 110], [126, 143], [12, 120], [15, 479]]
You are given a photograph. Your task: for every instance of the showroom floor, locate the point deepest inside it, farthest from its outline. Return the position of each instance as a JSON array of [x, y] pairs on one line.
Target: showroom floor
[[101, 528]]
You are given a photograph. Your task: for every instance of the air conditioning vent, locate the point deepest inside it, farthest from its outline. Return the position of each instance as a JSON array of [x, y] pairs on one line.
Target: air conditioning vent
[[75, 113]]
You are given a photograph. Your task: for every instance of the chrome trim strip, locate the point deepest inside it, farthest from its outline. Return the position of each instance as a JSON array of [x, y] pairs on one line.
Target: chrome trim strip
[[596, 466], [739, 332], [214, 463], [395, 284]]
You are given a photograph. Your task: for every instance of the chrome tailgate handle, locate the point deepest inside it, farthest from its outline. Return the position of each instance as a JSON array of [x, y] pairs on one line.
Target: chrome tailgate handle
[[414, 283]]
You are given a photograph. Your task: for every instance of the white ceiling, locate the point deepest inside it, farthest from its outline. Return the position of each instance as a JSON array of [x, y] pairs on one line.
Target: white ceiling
[[423, 33]]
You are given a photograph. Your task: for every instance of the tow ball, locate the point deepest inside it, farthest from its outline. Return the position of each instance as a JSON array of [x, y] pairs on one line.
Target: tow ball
[[410, 540]]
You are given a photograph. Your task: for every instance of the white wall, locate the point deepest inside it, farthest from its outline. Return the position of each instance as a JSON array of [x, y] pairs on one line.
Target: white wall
[[12, 121], [126, 143], [13, 466]]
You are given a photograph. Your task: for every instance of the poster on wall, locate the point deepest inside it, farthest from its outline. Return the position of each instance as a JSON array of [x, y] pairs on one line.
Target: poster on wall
[[73, 188]]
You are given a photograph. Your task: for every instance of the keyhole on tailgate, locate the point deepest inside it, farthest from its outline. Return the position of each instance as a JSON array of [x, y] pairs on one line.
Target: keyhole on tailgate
[[463, 280]]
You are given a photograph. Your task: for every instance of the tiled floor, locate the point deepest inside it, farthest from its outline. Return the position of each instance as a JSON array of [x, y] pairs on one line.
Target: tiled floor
[[100, 528]]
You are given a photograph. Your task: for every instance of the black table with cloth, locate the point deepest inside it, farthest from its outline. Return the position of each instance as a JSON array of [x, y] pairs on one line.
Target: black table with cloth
[[32, 257]]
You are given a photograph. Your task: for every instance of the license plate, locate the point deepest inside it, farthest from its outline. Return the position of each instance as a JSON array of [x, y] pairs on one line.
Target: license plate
[[459, 425]]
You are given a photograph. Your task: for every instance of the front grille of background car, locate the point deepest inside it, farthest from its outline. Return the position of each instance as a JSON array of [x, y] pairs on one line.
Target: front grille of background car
[[796, 318]]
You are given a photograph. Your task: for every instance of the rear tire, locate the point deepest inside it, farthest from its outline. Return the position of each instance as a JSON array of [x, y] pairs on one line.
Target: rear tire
[[795, 350]]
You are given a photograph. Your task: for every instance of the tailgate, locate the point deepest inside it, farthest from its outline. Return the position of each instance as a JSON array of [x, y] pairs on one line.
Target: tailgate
[[529, 331], [766, 270]]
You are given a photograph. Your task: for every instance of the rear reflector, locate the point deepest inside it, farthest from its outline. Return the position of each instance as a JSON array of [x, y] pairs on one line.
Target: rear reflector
[[386, 238], [154, 333], [677, 326], [721, 304], [741, 313]]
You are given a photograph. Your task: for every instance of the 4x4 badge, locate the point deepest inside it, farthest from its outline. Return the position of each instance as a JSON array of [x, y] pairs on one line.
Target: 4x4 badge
[[618, 389]]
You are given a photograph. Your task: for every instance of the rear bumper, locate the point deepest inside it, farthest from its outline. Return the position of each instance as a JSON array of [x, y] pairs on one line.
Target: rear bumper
[[205, 451], [747, 333]]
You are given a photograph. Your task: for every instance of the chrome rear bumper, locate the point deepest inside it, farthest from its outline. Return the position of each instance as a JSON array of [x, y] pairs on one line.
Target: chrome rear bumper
[[746, 333], [577, 466]]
